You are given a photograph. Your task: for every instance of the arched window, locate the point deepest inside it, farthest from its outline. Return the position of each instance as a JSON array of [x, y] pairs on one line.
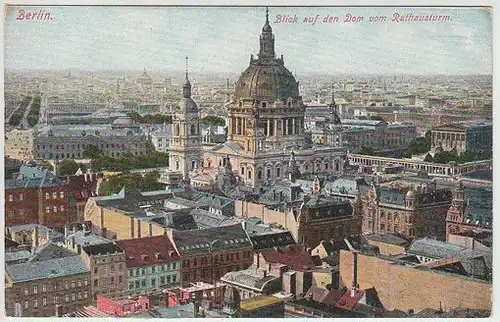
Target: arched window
[[289, 104], [382, 215], [193, 129], [176, 129], [278, 172], [250, 174], [259, 174], [264, 104], [268, 173]]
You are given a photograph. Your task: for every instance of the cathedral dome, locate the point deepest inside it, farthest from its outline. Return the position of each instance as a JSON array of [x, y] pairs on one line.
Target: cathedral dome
[[267, 79]]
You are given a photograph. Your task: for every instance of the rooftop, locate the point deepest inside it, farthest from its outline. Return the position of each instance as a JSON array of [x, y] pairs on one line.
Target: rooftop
[[148, 251], [258, 302], [51, 268], [102, 249]]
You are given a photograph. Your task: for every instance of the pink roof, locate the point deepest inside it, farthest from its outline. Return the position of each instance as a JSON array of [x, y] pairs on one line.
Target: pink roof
[[293, 256], [148, 251], [347, 302]]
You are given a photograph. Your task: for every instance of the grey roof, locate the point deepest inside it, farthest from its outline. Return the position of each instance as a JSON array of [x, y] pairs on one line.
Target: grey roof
[[249, 278], [33, 177], [216, 239], [102, 249], [206, 219], [50, 251], [434, 248], [389, 239], [17, 256], [51, 268], [53, 234], [87, 238], [392, 196], [180, 311]]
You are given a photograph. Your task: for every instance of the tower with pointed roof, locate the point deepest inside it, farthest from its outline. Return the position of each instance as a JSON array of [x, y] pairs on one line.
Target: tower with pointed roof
[[266, 122], [185, 149]]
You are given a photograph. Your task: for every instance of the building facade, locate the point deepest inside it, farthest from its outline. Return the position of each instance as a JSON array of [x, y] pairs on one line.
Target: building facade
[[43, 288], [36, 195], [58, 142], [473, 136], [152, 263], [208, 254], [266, 122], [108, 273], [410, 209]]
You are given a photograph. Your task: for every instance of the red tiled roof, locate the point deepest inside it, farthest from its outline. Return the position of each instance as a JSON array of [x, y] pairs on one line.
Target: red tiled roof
[[347, 302], [148, 251], [294, 256], [332, 297]]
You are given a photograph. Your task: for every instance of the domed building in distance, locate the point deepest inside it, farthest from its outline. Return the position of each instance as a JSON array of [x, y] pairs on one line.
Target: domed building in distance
[[266, 124]]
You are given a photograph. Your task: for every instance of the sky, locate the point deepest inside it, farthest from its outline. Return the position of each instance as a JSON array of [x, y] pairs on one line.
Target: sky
[[220, 39]]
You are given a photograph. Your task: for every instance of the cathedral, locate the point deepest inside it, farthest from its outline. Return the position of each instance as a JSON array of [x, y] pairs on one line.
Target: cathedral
[[265, 128]]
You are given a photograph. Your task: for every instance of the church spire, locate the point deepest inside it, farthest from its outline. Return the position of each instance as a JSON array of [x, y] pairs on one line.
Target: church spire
[[267, 40], [186, 87]]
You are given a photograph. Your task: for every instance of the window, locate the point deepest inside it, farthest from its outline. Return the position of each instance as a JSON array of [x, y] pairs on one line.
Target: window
[[130, 286], [66, 298], [35, 289], [173, 266], [168, 279], [44, 301], [56, 299], [143, 283], [61, 194], [162, 280], [85, 282], [79, 283], [47, 210], [11, 197], [26, 304], [73, 296], [54, 195], [96, 282], [153, 282], [278, 172], [112, 267], [143, 271], [44, 288], [112, 280], [95, 270], [26, 291], [79, 295], [85, 294], [61, 208], [137, 284], [174, 278], [55, 208], [153, 269], [21, 197], [120, 279], [73, 284], [66, 285]]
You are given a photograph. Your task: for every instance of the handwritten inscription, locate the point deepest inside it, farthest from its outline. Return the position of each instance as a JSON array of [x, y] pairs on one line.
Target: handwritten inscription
[[353, 19], [34, 15]]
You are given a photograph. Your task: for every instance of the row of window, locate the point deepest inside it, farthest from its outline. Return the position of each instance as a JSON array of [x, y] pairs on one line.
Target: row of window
[[105, 281], [168, 279], [56, 300], [47, 209], [58, 285], [152, 270], [54, 195], [20, 213], [85, 146], [20, 197], [103, 269], [204, 261]]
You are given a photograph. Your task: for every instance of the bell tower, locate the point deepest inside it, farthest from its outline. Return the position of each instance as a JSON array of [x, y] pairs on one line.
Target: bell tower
[[267, 40], [185, 147], [455, 216]]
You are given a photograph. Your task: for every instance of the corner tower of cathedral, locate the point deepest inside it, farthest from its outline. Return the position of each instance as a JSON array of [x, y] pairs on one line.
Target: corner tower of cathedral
[[267, 113]]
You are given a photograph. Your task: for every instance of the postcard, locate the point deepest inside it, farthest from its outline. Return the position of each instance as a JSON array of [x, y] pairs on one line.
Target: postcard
[[248, 162]]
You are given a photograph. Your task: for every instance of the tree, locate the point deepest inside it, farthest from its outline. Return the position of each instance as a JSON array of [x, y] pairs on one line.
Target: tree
[[428, 158], [366, 151], [68, 167], [148, 182], [93, 152], [212, 120]]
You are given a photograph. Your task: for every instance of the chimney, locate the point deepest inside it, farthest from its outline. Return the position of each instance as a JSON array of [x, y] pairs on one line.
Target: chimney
[[196, 309], [355, 270], [59, 311]]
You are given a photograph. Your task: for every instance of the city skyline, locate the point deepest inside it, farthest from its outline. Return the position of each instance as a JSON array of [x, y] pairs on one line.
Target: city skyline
[[461, 46]]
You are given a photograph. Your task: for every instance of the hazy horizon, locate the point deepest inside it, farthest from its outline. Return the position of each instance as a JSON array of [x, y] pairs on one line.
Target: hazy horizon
[[221, 39]]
